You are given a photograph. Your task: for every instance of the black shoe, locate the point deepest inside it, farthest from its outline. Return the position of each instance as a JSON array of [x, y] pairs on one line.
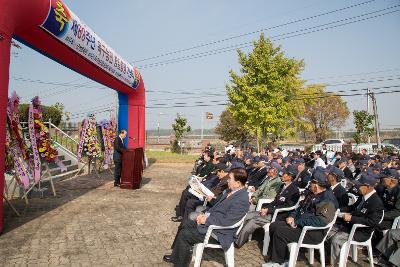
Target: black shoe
[[177, 219], [381, 261], [115, 184], [168, 258]]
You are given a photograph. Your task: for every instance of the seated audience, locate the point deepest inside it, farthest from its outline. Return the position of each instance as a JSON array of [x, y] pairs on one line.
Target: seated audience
[[287, 196], [318, 209], [368, 210], [389, 249], [230, 209], [335, 175], [391, 198], [270, 185]]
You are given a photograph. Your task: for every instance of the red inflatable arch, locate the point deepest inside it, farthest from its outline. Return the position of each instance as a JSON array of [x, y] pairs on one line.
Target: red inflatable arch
[[52, 29]]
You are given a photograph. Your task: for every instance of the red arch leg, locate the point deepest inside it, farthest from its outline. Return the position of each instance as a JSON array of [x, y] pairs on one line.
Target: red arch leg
[[5, 46]]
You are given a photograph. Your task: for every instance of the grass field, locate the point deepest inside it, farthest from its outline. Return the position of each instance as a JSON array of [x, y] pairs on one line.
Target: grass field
[[168, 157]]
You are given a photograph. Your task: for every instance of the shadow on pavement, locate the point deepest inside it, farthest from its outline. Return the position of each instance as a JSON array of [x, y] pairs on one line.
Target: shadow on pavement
[[66, 190]]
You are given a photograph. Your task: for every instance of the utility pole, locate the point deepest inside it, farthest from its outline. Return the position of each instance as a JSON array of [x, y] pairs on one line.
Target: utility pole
[[368, 92], [158, 126], [375, 109], [202, 124]]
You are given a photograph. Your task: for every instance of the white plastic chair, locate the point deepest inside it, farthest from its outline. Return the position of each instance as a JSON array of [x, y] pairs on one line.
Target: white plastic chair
[[266, 226], [263, 201], [395, 225], [343, 182], [344, 251], [295, 247], [259, 205], [229, 254], [353, 198]]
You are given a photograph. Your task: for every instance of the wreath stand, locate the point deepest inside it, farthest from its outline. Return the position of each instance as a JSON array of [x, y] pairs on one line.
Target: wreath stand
[[47, 174], [26, 192], [109, 166], [5, 197], [89, 164]]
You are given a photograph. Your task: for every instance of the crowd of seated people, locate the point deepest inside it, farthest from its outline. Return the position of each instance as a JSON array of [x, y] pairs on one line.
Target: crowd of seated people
[[350, 188]]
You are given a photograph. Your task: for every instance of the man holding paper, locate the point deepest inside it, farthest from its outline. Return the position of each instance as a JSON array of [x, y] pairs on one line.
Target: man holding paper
[[368, 210], [230, 209]]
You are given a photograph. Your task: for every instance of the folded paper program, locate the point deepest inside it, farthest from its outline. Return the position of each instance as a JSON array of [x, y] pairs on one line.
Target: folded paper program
[[198, 189]]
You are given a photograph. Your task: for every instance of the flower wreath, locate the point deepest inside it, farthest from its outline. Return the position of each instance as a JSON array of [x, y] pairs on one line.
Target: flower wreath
[[91, 147], [46, 150]]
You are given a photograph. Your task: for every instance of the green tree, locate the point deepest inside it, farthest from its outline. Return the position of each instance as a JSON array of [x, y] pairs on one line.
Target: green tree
[[363, 122], [49, 113], [180, 129], [322, 111], [230, 130], [65, 116], [262, 95]]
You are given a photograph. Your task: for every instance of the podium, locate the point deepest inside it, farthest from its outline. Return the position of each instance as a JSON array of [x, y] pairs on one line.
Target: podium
[[132, 168]]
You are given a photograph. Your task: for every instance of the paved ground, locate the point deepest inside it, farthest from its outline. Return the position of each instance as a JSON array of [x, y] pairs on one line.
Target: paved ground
[[91, 223]]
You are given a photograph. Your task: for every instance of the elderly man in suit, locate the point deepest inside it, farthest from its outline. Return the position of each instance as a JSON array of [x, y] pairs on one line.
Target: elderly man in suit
[[117, 156], [335, 175], [318, 209], [368, 210], [229, 209]]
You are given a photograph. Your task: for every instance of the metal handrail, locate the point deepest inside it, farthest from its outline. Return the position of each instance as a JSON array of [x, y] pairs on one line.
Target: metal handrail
[[69, 149], [64, 133]]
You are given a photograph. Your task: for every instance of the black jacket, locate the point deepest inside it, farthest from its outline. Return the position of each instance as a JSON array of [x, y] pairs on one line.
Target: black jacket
[[391, 202], [257, 177], [348, 173], [205, 169], [307, 213], [210, 181], [302, 179], [284, 198], [341, 196], [369, 214], [118, 149]]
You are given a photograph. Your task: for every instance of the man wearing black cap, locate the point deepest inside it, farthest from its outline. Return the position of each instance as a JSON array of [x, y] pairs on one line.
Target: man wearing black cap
[[303, 176], [391, 198], [287, 196], [335, 175], [342, 165], [256, 177], [367, 210], [318, 209]]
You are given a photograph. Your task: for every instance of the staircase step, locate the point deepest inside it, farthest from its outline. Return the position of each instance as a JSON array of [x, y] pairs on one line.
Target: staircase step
[[54, 165], [57, 171]]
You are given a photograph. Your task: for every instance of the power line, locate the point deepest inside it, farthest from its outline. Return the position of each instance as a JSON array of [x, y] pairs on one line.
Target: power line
[[354, 74], [293, 34], [253, 32], [327, 85], [309, 96]]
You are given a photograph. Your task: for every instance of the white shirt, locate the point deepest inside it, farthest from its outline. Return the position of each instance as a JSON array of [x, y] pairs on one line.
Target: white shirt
[[334, 186], [319, 162], [369, 194]]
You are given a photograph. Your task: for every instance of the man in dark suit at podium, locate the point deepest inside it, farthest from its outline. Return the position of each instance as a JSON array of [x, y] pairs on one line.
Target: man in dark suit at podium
[[118, 149]]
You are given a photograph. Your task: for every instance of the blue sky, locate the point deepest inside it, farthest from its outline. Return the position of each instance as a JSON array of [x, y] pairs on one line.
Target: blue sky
[[355, 53]]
